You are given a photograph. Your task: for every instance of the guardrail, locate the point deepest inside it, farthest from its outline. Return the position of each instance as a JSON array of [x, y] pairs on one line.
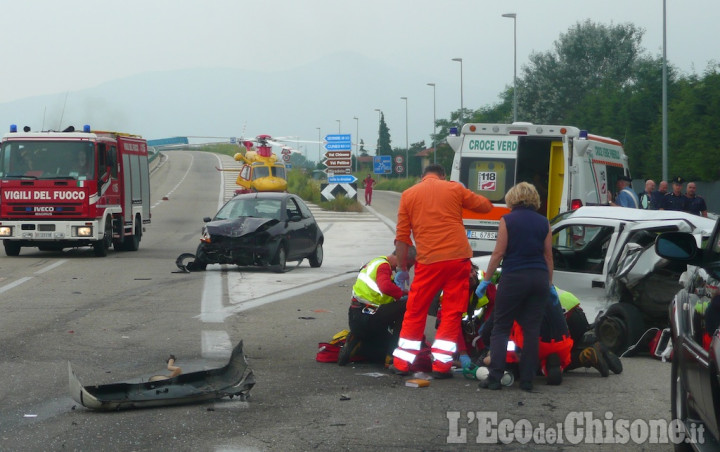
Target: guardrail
[[153, 152]]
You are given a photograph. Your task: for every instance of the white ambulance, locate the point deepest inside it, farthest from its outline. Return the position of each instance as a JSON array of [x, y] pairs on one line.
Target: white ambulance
[[569, 167]]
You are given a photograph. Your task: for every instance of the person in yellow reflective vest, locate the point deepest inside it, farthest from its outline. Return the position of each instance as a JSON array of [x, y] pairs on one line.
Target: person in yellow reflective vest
[[377, 309]]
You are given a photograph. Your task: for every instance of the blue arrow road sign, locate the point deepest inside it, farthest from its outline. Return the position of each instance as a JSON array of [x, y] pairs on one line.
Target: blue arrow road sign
[[338, 137], [343, 179], [382, 164], [338, 146]]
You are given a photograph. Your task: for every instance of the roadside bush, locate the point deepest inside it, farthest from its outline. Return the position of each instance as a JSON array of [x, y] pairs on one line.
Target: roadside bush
[[397, 184], [303, 186], [342, 204], [221, 148]]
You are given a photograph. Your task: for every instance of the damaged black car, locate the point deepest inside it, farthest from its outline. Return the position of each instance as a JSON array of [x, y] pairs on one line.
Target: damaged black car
[[261, 229]]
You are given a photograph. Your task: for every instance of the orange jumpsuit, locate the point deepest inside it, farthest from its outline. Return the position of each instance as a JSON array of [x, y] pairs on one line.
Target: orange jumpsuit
[[432, 212]]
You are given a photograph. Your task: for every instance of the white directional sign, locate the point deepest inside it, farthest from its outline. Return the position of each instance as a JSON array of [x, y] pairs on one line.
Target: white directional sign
[[338, 137], [331, 190], [342, 179], [338, 142]]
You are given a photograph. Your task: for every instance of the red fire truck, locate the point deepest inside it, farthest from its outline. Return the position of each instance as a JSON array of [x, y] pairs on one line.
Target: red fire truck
[[70, 189]]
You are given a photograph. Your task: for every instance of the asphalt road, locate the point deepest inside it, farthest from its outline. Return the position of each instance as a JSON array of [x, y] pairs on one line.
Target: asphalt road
[[119, 317]]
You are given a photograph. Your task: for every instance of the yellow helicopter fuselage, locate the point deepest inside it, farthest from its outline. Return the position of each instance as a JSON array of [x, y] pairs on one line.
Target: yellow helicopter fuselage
[[261, 173]]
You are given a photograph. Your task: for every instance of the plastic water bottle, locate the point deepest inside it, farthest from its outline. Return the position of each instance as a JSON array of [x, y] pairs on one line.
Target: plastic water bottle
[[507, 379]]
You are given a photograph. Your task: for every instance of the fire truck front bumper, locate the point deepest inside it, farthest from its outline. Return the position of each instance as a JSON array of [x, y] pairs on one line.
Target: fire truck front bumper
[[27, 232]]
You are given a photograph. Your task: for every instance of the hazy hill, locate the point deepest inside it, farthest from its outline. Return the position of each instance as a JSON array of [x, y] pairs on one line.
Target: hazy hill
[[223, 102]]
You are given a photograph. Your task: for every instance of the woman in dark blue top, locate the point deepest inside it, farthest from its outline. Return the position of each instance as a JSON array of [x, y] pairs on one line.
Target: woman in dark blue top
[[524, 245]]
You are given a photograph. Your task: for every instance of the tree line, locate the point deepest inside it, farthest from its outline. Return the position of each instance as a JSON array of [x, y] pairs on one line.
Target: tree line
[[599, 78]]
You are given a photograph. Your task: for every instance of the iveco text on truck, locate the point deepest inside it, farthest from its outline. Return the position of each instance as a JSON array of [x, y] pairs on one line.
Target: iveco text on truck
[[71, 189], [569, 167]]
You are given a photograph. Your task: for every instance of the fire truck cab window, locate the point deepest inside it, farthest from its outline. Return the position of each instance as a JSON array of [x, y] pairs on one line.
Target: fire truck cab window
[[101, 158], [46, 160], [112, 162]]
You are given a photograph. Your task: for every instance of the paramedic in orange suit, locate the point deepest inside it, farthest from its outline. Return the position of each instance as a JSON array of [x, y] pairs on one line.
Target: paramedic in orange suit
[[432, 212]]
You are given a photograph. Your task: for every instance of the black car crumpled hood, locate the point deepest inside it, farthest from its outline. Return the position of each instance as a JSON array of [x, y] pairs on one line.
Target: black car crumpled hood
[[238, 227]]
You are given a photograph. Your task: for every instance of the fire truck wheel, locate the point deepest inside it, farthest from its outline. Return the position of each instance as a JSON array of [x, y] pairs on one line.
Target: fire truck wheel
[[11, 248], [132, 243], [101, 246]]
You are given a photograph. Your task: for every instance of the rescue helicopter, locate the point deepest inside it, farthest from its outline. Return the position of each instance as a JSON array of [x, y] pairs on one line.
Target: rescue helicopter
[[261, 170]]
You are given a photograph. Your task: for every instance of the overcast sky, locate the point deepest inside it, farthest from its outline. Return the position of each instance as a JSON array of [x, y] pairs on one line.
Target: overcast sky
[[55, 47]]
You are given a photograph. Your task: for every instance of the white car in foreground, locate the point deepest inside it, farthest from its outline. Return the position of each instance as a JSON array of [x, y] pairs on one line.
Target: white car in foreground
[[605, 256]]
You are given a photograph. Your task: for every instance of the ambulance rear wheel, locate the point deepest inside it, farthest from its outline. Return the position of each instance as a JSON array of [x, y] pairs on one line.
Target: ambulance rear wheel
[[11, 248]]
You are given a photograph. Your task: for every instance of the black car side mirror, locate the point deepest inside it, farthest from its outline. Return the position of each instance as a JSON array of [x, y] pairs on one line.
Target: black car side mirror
[[295, 218], [677, 246], [207, 219]]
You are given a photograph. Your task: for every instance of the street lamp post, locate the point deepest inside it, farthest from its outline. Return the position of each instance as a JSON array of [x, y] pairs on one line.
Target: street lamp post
[[434, 122], [461, 90], [379, 118], [357, 140], [319, 140], [407, 145], [338, 121], [664, 100], [513, 16]]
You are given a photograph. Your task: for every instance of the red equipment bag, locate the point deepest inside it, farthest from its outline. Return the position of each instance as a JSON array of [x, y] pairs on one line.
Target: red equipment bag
[[327, 352]]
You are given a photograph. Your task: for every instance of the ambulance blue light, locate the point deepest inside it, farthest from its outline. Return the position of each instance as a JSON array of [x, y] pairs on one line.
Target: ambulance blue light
[[583, 135], [13, 128], [86, 128], [454, 131]]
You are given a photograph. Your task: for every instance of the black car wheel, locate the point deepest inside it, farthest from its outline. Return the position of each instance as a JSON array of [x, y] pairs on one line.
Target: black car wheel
[[316, 258], [678, 400], [280, 264], [620, 328]]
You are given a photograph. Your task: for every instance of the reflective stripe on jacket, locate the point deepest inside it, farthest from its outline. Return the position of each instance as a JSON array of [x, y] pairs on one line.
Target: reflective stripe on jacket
[[366, 289]]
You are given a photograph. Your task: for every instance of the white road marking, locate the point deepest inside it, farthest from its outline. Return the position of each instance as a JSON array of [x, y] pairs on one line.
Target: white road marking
[[211, 304], [167, 195], [51, 266], [282, 295], [14, 284], [215, 344], [25, 279]]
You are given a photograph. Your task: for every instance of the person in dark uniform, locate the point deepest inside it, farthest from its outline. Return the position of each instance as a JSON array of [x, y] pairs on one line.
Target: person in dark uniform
[[659, 195], [675, 200], [695, 204], [647, 198]]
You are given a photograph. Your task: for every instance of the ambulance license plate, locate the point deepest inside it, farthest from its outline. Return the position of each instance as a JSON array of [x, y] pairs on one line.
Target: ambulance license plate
[[482, 235], [43, 235]]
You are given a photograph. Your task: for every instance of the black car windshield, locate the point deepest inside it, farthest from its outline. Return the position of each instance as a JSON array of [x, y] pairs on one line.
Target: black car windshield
[[250, 207], [47, 159]]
